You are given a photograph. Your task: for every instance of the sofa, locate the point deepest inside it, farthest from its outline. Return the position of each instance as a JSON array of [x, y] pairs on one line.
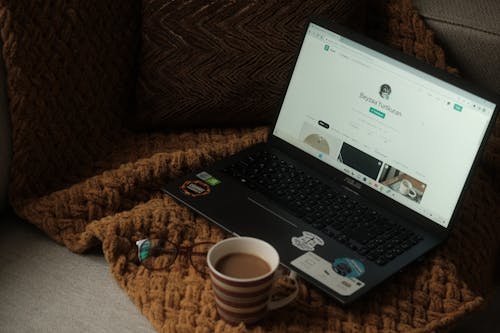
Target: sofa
[[81, 166]]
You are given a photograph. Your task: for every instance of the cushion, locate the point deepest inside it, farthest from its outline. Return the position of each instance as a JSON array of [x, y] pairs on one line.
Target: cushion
[[223, 62], [470, 33], [67, 63]]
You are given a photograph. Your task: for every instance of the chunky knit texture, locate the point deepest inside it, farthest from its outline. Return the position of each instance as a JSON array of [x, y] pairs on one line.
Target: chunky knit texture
[[232, 58], [89, 183]]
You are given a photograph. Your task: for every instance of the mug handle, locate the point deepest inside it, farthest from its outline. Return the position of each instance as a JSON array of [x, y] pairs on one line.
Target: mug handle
[[274, 305]]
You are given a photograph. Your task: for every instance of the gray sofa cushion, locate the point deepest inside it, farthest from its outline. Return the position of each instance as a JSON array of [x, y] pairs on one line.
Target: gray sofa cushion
[[5, 140], [469, 31]]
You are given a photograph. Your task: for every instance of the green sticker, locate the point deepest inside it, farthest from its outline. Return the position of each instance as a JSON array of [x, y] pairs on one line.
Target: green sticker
[[212, 181], [208, 178]]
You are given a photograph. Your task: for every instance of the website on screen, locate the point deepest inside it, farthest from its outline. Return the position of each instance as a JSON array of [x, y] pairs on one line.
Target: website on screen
[[378, 121]]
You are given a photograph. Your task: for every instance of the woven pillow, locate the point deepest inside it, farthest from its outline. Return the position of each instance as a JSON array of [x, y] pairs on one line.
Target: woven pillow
[[222, 62]]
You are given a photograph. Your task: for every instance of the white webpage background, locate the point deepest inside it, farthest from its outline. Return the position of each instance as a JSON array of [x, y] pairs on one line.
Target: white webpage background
[[430, 141]]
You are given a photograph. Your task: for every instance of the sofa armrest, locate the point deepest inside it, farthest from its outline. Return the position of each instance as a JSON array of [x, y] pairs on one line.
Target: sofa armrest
[[5, 137], [470, 33]]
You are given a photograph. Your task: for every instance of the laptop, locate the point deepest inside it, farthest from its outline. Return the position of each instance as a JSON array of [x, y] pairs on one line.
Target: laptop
[[365, 167]]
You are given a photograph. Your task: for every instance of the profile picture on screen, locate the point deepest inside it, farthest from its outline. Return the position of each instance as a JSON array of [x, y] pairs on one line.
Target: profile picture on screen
[[385, 91]]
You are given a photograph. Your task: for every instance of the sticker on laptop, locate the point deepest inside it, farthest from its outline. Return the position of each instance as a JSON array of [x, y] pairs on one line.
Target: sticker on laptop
[[348, 267], [322, 270], [208, 178], [308, 241], [195, 188]]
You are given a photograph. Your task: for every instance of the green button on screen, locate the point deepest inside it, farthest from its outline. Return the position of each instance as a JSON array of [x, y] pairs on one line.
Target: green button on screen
[[378, 113], [458, 107]]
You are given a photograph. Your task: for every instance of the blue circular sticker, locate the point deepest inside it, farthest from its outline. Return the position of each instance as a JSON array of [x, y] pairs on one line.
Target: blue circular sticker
[[348, 267]]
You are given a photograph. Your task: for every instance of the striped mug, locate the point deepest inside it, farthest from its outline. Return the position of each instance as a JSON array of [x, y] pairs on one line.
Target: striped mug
[[245, 299]]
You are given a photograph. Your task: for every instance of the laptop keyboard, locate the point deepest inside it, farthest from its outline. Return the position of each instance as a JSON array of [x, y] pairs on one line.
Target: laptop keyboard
[[337, 215]]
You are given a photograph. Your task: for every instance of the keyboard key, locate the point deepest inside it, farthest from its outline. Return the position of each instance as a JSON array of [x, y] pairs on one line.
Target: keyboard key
[[318, 225], [363, 250]]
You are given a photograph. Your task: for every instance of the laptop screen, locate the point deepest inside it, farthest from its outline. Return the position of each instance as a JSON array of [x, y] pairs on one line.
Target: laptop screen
[[392, 127]]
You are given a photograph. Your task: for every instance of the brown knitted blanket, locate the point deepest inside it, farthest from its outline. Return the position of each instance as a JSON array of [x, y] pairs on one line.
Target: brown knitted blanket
[[90, 184]]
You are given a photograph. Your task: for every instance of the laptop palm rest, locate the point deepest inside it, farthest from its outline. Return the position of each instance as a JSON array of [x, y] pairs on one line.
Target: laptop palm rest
[[299, 248], [263, 206], [263, 222]]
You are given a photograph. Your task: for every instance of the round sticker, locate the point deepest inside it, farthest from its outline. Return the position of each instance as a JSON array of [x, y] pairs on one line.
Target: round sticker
[[348, 267], [308, 241], [195, 188]]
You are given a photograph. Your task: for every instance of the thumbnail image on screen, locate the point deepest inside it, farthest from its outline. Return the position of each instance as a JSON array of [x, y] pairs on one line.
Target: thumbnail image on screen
[[402, 183]]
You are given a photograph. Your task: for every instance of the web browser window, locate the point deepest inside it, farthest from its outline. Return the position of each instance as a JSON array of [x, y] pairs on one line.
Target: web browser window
[[401, 131]]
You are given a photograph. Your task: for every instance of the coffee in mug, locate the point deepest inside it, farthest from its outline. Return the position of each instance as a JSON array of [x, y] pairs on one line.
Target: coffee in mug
[[243, 271], [242, 265]]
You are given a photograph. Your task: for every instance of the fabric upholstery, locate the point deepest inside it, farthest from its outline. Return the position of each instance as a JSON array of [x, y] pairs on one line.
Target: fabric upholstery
[[421, 42], [70, 83], [222, 62], [5, 140], [470, 32], [88, 182], [41, 294]]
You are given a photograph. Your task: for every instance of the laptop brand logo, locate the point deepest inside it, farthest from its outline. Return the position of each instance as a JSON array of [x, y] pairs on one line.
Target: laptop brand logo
[[308, 241], [353, 183]]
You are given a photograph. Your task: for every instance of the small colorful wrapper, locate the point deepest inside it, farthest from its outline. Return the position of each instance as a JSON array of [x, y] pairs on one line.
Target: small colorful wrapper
[[143, 248]]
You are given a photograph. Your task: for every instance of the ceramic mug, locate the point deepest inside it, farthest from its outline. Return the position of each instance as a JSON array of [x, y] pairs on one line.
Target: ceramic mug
[[246, 300]]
